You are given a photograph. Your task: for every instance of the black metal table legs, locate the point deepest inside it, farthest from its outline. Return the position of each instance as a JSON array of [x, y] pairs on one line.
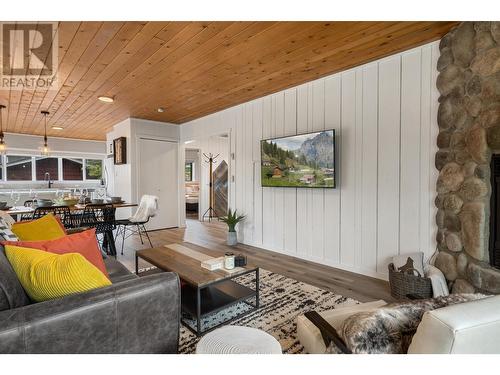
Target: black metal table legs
[[204, 292]]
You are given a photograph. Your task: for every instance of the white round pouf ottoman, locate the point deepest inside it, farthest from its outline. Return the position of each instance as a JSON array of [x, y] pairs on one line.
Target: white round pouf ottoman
[[238, 340]]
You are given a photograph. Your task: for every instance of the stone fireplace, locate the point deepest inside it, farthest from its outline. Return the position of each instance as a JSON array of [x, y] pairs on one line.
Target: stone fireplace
[[469, 134]]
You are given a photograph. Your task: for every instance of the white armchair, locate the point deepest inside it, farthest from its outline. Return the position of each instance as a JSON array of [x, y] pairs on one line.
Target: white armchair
[[467, 328], [470, 327]]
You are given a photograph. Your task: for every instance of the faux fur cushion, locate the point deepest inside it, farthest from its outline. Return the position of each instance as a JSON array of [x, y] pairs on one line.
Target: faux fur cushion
[[389, 329]]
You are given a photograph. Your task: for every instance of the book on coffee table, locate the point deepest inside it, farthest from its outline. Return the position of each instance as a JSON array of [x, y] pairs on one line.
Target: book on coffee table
[[213, 264]]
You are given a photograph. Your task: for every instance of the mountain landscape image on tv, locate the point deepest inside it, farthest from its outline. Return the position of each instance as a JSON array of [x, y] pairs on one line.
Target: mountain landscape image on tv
[[305, 160]]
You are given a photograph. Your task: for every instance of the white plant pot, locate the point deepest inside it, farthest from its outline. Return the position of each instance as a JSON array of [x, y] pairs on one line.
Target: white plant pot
[[232, 238]]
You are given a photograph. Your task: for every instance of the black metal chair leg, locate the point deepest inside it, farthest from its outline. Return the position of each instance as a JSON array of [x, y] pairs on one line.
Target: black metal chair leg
[[147, 235], [140, 235], [123, 236]]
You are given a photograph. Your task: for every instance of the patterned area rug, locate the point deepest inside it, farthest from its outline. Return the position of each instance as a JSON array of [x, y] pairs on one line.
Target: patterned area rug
[[281, 300]]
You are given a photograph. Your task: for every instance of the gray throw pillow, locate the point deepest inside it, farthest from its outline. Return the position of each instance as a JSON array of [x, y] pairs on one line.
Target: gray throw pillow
[[5, 232]]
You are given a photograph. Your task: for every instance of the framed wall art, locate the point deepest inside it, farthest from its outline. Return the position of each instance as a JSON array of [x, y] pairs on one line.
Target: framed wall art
[[120, 150]]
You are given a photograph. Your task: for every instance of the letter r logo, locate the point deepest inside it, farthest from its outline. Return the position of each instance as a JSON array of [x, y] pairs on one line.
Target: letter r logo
[[28, 49]]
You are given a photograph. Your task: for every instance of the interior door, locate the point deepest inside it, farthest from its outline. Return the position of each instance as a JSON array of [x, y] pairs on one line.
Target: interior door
[[157, 175]]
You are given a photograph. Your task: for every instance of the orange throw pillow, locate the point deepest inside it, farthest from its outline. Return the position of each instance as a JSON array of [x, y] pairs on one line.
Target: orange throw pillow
[[84, 243]]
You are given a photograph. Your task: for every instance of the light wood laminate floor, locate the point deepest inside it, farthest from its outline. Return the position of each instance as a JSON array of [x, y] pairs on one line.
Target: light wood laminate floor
[[212, 236]]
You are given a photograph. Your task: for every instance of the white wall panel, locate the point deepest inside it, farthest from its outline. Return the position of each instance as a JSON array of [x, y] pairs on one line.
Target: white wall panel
[[358, 168], [347, 170], [389, 118], [257, 189], [248, 188], [409, 208], [331, 210], [238, 176], [384, 116], [290, 195], [318, 195], [369, 176]]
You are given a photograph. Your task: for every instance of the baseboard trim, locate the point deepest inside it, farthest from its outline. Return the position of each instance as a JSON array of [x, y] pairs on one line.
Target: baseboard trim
[[325, 262]]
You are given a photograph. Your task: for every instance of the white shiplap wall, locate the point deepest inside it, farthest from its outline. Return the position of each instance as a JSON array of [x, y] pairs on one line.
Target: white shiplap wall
[[384, 114]]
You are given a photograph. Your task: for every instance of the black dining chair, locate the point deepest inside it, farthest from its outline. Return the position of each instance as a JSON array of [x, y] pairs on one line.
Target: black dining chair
[[29, 203], [63, 212], [102, 218]]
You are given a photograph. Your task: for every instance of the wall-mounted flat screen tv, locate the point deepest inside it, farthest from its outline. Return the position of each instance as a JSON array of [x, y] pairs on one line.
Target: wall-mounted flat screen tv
[[304, 160]]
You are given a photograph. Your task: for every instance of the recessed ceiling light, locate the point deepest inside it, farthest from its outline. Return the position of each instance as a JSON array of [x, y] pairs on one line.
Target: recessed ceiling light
[[57, 128], [188, 142], [161, 110], [106, 99]]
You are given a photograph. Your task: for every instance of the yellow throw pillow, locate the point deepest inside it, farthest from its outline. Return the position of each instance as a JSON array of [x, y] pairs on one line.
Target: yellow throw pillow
[[45, 228], [46, 276]]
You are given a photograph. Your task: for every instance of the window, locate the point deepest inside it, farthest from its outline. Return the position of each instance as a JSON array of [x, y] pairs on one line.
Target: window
[[40, 168], [19, 168], [93, 169], [72, 169], [46, 165], [188, 172]]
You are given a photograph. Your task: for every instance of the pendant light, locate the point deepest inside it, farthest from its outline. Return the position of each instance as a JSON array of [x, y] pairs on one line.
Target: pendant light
[[45, 148], [3, 146]]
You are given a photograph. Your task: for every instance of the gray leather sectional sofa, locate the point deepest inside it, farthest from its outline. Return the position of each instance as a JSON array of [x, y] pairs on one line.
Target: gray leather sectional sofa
[[134, 315]]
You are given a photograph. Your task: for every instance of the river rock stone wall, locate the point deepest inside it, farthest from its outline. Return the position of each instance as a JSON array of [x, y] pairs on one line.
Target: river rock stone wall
[[469, 132]]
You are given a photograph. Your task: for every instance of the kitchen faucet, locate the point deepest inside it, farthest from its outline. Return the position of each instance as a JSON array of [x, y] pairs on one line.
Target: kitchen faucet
[[47, 178]]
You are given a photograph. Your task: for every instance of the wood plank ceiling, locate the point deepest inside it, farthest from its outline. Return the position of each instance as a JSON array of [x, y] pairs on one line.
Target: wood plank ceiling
[[193, 68]]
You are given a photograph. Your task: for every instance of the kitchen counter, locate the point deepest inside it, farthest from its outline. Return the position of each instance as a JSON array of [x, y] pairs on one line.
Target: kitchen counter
[[7, 194], [52, 190]]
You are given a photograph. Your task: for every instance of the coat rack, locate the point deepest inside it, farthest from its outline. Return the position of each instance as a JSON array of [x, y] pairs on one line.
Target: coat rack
[[210, 213]]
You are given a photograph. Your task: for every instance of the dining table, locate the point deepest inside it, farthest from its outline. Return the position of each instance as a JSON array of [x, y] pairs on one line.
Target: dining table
[[22, 210], [108, 241]]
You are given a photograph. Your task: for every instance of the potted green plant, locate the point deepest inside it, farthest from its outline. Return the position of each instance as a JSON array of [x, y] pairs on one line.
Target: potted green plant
[[231, 220]]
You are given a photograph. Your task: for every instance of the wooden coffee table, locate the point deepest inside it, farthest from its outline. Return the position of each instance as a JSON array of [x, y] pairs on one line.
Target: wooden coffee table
[[204, 292]]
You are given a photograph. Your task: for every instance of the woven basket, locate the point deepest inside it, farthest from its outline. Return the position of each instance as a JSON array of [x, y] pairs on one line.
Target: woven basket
[[409, 282]]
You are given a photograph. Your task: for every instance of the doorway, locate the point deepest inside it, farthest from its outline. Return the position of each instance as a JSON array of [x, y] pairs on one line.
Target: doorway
[[215, 177], [200, 194], [192, 174]]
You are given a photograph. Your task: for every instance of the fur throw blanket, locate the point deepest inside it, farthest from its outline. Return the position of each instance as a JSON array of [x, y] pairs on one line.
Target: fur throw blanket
[[390, 329], [147, 208]]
